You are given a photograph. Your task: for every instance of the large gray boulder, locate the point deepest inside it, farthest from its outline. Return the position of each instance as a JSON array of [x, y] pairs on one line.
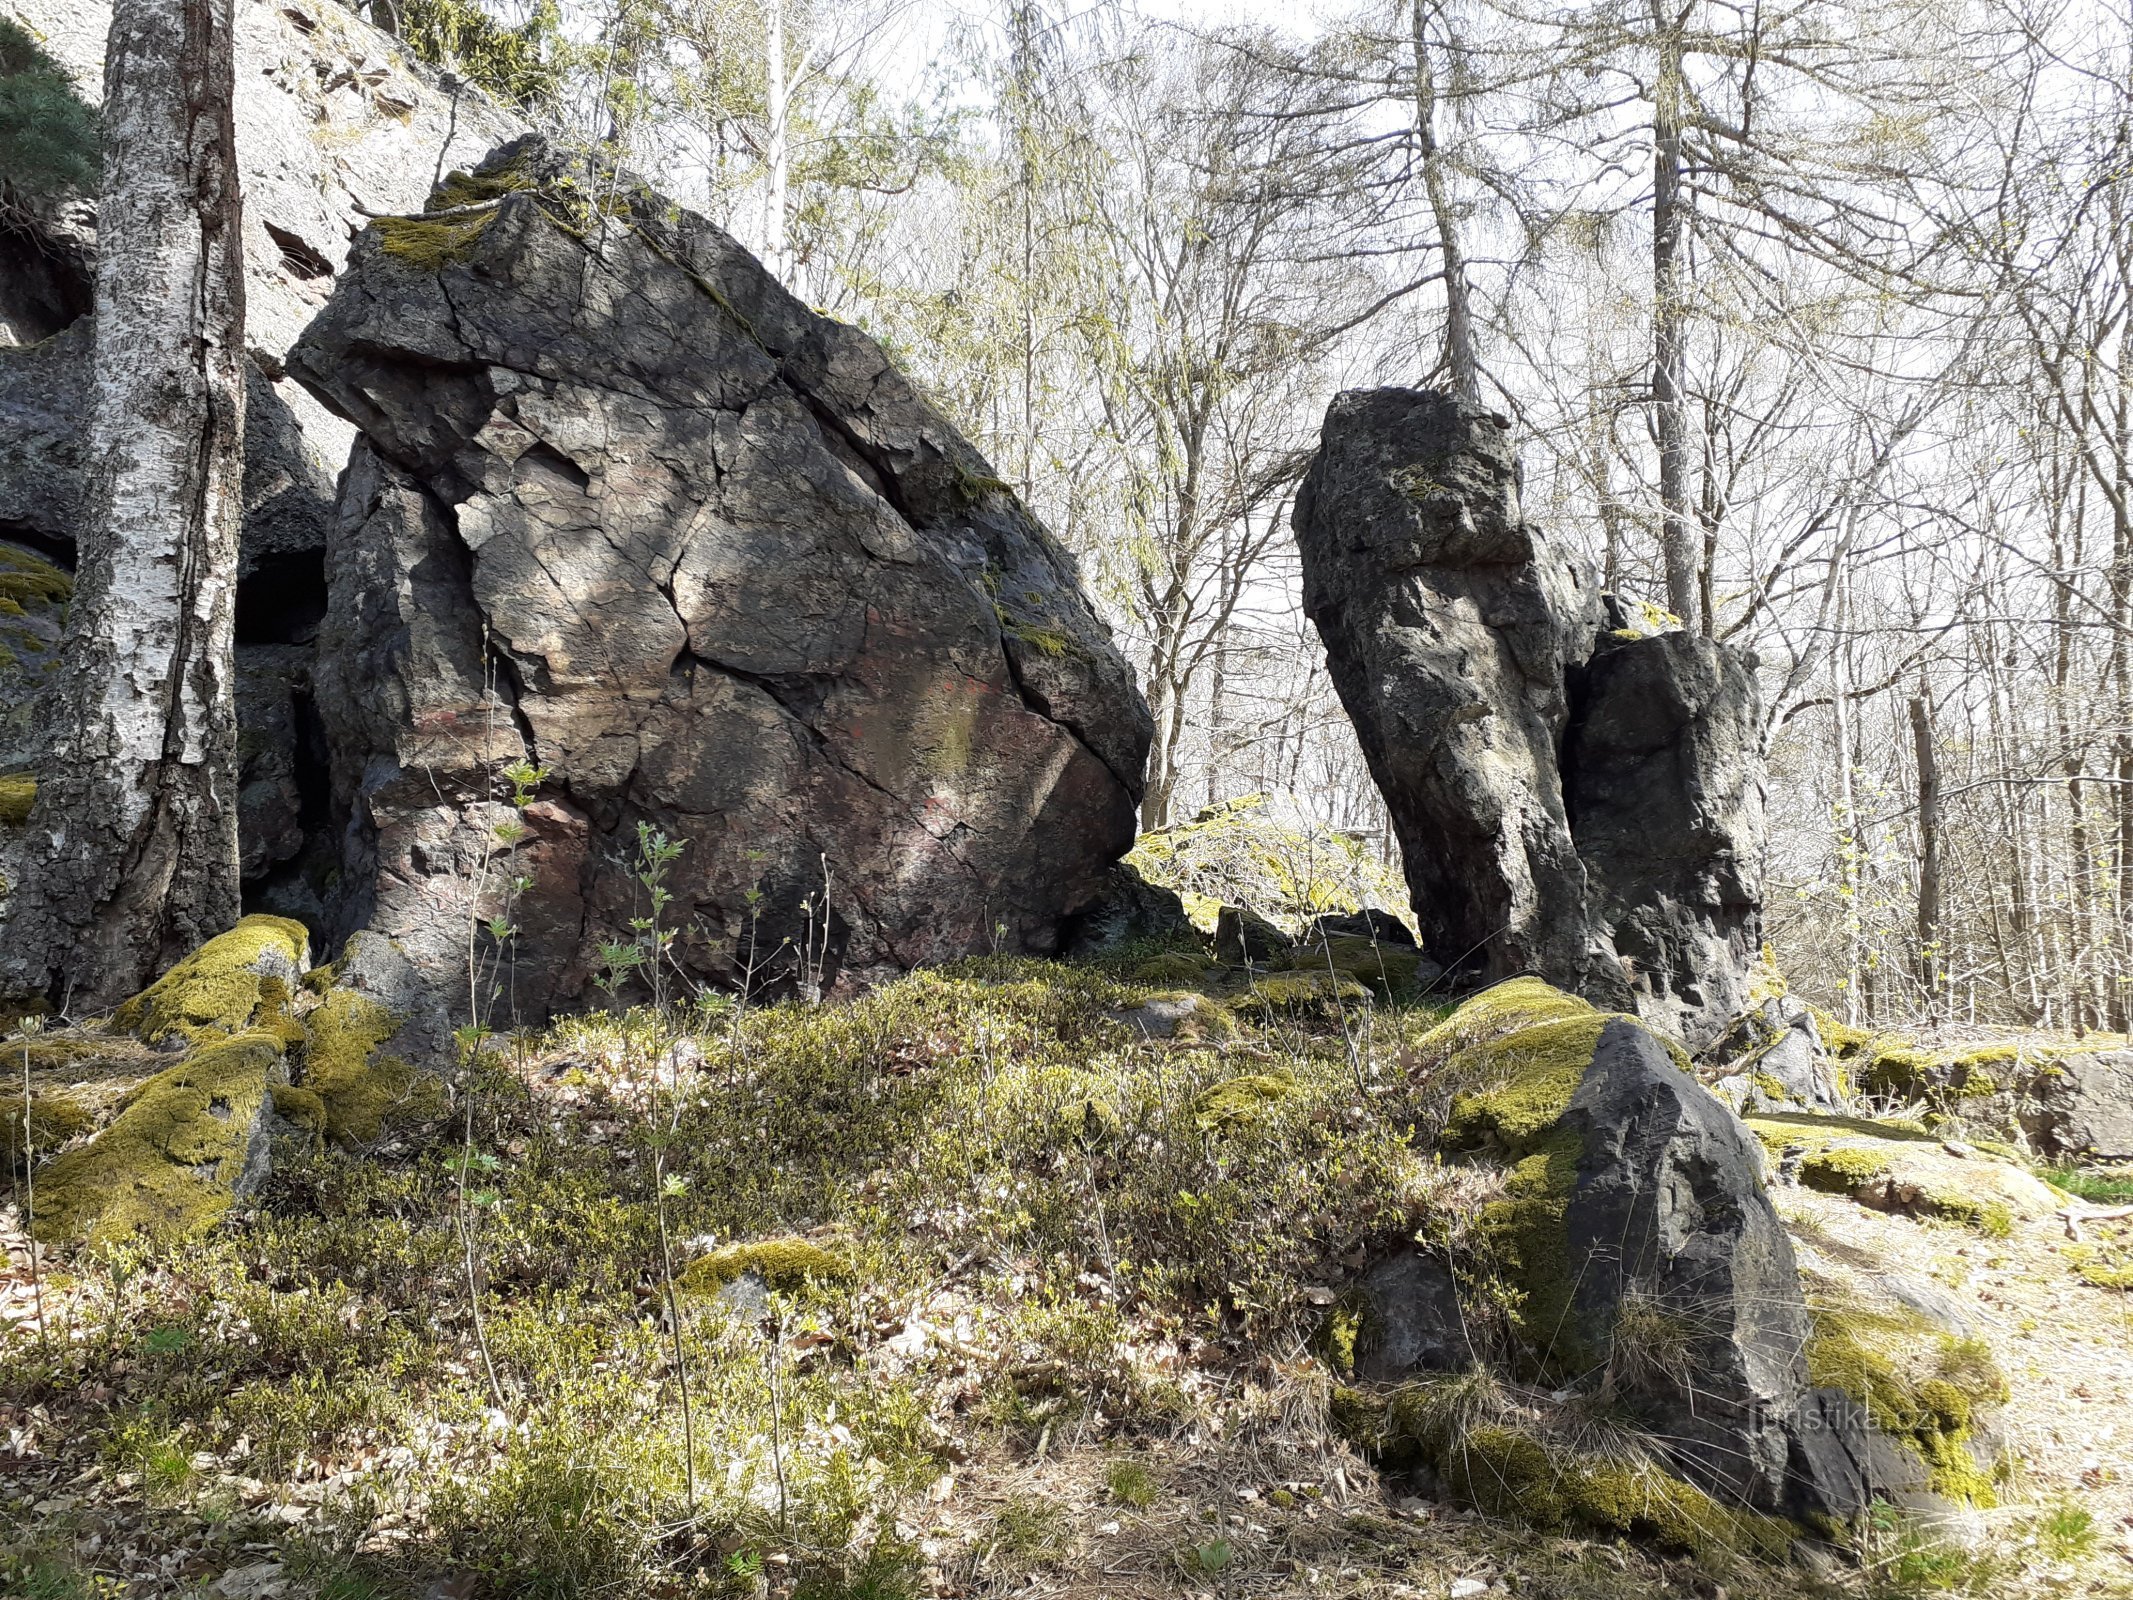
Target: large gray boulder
[[1576, 797], [627, 511]]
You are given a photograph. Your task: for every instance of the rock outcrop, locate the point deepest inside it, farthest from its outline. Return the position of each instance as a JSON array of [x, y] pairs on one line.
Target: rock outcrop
[[629, 514], [333, 119], [1576, 797], [1646, 1266]]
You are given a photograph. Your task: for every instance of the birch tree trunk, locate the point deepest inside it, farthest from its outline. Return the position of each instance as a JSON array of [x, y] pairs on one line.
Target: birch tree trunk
[[1669, 321], [130, 854]]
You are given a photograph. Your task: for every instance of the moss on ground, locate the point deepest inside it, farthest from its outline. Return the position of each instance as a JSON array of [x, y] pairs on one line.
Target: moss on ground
[[236, 981], [1388, 970], [361, 1089], [167, 1165]]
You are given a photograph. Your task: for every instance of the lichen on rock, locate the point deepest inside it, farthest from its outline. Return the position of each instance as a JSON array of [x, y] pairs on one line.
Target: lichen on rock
[[185, 1146], [238, 980], [784, 1266]]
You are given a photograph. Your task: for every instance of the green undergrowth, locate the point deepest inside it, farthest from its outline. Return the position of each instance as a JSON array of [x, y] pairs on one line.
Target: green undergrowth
[[980, 1206]]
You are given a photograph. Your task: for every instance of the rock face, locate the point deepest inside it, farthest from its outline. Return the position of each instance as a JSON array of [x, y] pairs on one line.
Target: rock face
[[332, 118], [2081, 1107], [1575, 797], [629, 513]]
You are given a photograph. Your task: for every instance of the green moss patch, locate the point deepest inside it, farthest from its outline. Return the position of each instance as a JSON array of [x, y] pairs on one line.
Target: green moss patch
[[1920, 1386], [168, 1165], [785, 1266], [1172, 966], [52, 1120], [17, 795], [236, 981], [1388, 970], [360, 1088], [429, 244], [1244, 1102]]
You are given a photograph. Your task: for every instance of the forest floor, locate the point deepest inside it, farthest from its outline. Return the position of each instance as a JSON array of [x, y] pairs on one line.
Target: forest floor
[[1037, 1307]]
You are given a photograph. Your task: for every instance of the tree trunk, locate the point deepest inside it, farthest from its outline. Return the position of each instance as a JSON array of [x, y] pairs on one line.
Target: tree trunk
[[1929, 957], [1460, 360], [1669, 347], [130, 855], [777, 156]]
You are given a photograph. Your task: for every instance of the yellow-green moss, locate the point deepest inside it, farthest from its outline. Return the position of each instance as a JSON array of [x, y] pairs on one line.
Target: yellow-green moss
[[301, 1107], [785, 1266], [469, 189], [17, 795], [53, 1120], [1506, 1471], [231, 983], [361, 1089], [429, 244], [1874, 1358], [1173, 966], [1242, 1102], [1291, 993], [166, 1165], [28, 580], [1843, 1169]]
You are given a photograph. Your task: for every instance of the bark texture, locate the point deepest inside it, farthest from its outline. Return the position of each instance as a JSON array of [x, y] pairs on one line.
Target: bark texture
[[130, 856]]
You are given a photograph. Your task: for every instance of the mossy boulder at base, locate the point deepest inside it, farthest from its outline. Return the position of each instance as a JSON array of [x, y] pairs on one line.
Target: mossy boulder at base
[[374, 1045], [236, 981], [1772, 1058], [1643, 1258], [744, 1275], [186, 1145], [1894, 1166]]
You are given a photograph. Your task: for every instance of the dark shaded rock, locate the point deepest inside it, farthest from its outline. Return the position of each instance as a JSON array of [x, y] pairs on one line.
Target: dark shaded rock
[[1651, 1266], [1127, 910], [1244, 937], [1412, 1320], [1381, 927], [1663, 780], [1573, 798], [1450, 631], [638, 518], [2080, 1107]]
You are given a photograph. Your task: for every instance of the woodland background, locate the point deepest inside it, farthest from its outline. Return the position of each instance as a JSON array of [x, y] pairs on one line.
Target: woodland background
[[1811, 317]]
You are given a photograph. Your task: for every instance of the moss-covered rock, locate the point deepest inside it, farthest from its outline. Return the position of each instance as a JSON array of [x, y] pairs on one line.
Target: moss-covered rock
[[1923, 1387], [237, 981], [1391, 971], [783, 1266], [52, 1119], [1172, 967], [1242, 1102], [1506, 1469], [1896, 1166], [1324, 996], [359, 1086], [186, 1145], [17, 794]]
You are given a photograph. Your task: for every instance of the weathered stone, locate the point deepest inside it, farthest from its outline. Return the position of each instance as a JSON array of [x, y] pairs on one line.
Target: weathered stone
[[1772, 1059], [634, 516], [2080, 1107], [1650, 1264], [1369, 923], [1412, 1320], [1573, 798]]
